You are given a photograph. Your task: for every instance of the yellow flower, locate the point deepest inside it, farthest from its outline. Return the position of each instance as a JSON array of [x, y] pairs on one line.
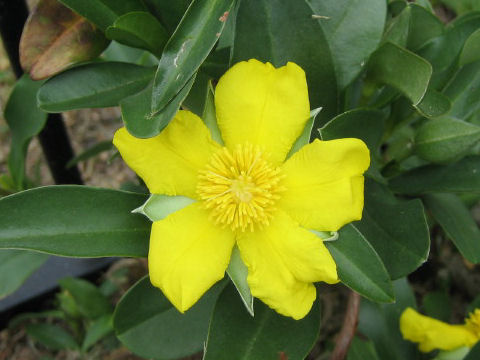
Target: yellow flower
[[433, 334], [247, 193]]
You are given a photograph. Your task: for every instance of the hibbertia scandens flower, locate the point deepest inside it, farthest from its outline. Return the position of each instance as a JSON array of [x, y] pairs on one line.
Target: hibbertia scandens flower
[[432, 334], [247, 192]]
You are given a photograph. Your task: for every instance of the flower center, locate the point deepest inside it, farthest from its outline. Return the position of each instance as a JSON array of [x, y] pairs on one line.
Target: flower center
[[240, 187], [473, 322]]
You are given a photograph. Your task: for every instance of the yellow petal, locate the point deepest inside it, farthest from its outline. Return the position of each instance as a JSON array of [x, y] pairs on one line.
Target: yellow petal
[[283, 260], [324, 183], [433, 334], [169, 162], [188, 254], [264, 106]]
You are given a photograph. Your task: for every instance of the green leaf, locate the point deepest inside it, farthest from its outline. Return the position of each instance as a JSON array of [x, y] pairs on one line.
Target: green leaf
[[362, 350], [359, 266], [15, 267], [25, 120], [424, 26], [72, 220], [209, 116], [188, 47], [93, 85], [51, 336], [445, 140], [306, 134], [471, 50], [55, 38], [397, 230], [267, 336], [474, 353], [90, 152], [365, 124], [169, 12], [89, 300], [97, 330], [197, 97], [139, 29], [353, 30], [144, 312], [433, 104], [261, 33], [238, 272], [158, 207], [397, 28], [437, 304], [457, 222], [138, 117], [400, 69], [103, 13], [457, 354], [462, 176], [380, 323]]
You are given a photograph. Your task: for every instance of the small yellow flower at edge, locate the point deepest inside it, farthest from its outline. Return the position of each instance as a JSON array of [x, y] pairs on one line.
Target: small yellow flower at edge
[[431, 334], [247, 193]]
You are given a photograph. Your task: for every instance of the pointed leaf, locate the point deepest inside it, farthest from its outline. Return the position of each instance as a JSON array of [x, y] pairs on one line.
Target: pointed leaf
[[55, 37], [209, 116], [158, 207], [139, 29], [72, 220], [25, 120], [103, 13], [188, 47], [238, 272], [261, 33], [471, 50], [93, 85], [144, 314], [97, 330], [306, 134], [169, 12], [267, 336], [52, 336], [457, 222], [15, 267], [353, 30], [359, 266]]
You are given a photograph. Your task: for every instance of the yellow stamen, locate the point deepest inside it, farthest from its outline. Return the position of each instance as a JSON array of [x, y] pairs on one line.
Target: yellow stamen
[[240, 187]]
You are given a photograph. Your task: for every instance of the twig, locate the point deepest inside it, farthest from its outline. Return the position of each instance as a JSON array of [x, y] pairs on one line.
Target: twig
[[349, 327]]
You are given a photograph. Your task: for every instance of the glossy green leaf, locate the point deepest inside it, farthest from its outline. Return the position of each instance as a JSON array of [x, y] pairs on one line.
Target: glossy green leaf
[[365, 124], [424, 26], [52, 336], [209, 116], [91, 152], [71, 220], [97, 330], [158, 207], [25, 120], [103, 13], [261, 33], [306, 134], [433, 104], [267, 336], [353, 30], [359, 266], [238, 272], [457, 222], [397, 28], [90, 302], [379, 322], [464, 91], [400, 69], [188, 47], [144, 314], [362, 350], [93, 85], [169, 12], [197, 97], [471, 50], [462, 176], [55, 38], [15, 267], [445, 140], [139, 29], [437, 304], [397, 230], [137, 112]]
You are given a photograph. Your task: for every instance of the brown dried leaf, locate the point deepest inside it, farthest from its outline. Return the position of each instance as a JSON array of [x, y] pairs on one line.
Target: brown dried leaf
[[54, 37]]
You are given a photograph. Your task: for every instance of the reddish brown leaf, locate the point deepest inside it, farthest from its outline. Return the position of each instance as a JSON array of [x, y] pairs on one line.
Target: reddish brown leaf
[[54, 37]]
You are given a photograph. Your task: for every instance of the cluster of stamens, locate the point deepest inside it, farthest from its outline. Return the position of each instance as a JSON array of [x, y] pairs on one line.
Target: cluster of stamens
[[473, 322], [240, 187]]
